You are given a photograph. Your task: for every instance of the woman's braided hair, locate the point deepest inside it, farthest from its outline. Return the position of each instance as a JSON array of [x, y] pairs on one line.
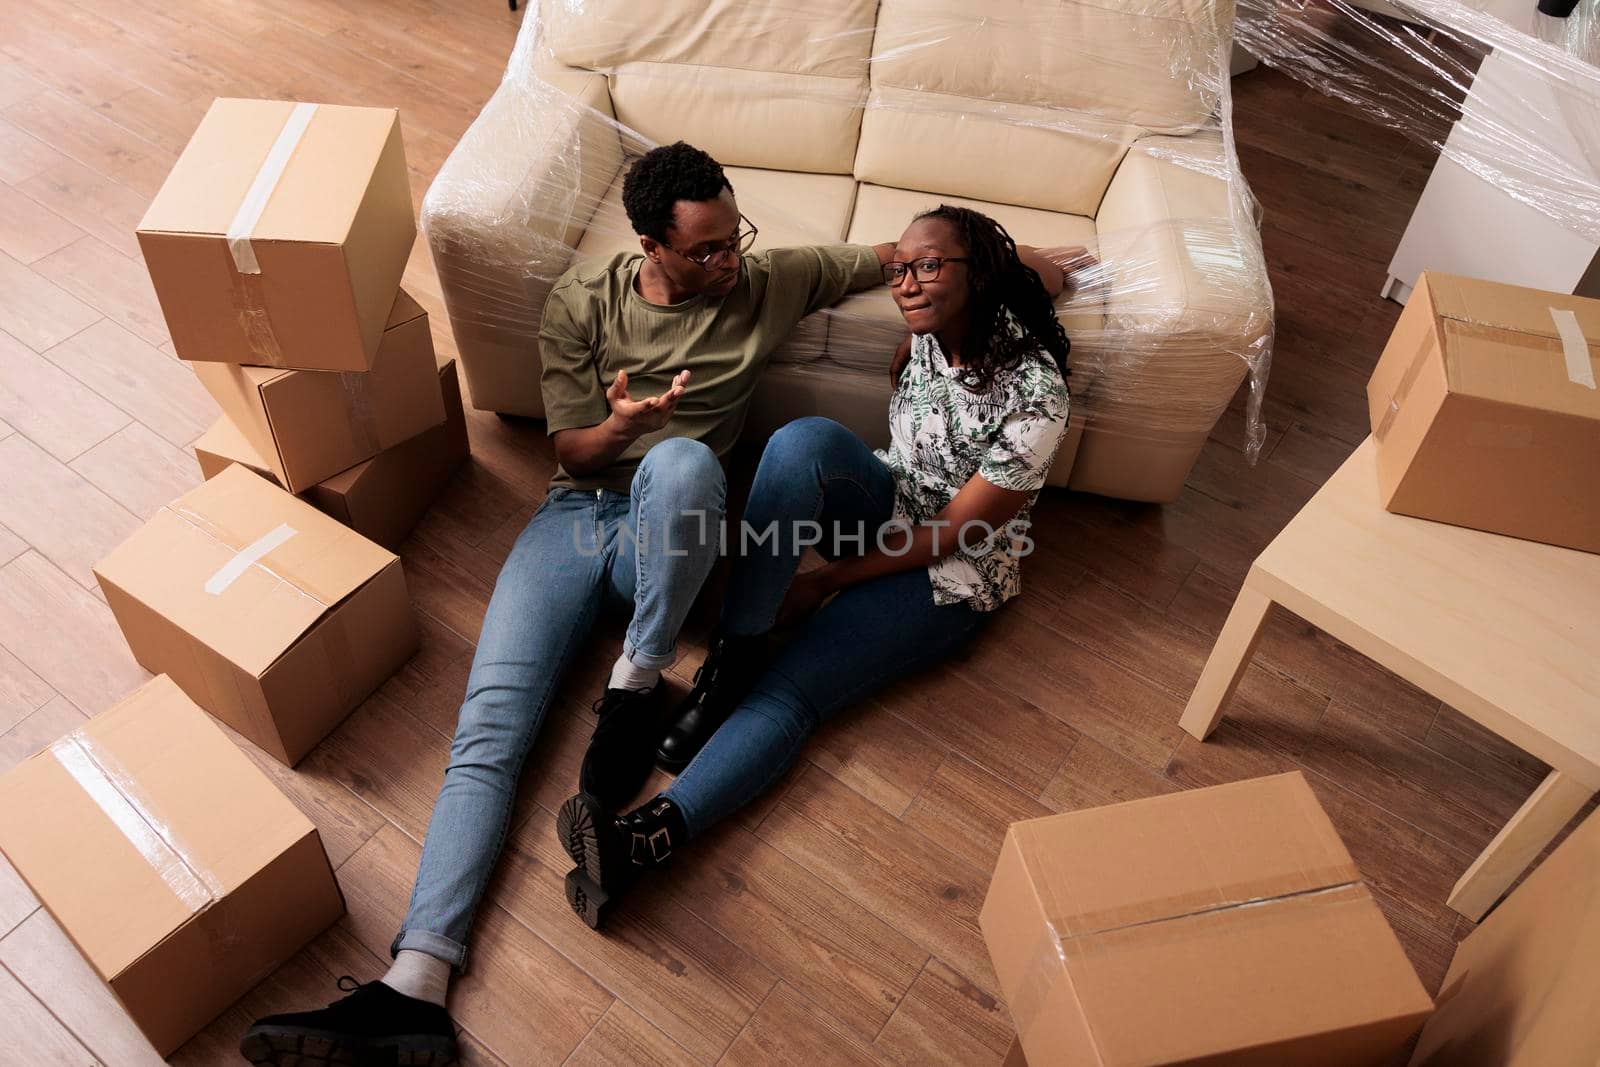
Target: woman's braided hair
[[1001, 282]]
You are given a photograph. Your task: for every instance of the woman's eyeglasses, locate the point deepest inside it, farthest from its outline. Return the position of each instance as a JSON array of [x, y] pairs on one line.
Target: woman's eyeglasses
[[925, 269], [737, 245]]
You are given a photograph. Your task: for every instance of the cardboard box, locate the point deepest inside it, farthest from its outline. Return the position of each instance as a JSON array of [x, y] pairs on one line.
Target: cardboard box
[[273, 617], [310, 425], [1485, 411], [381, 499], [1521, 989], [1219, 925], [175, 866], [281, 234]]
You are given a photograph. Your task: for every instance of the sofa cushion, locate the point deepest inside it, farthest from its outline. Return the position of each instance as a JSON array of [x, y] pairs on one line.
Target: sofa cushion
[[1061, 88], [866, 327], [757, 83]]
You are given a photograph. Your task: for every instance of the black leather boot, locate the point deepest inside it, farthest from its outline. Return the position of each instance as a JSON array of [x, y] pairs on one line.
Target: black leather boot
[[731, 668], [623, 746], [613, 851], [374, 1024]]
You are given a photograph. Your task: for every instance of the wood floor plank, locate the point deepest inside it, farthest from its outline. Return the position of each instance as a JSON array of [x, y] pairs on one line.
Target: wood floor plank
[[138, 469], [789, 1031], [1454, 735], [11, 546], [32, 1034], [16, 83], [159, 391], [1082, 688], [511, 968], [1094, 775], [1013, 737], [65, 635], [945, 1019], [39, 954], [921, 887], [78, 132], [967, 810], [21, 691], [118, 287], [29, 232], [388, 759], [624, 1036], [676, 972], [56, 411], [83, 196], [35, 310], [876, 753], [844, 957], [52, 507], [38, 730], [17, 901]]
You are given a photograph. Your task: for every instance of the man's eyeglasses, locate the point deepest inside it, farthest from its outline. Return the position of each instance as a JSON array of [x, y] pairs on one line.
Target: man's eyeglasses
[[737, 245], [925, 269]]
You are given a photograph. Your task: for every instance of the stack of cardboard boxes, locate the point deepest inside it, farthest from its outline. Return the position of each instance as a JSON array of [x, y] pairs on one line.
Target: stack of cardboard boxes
[[280, 283], [181, 873]]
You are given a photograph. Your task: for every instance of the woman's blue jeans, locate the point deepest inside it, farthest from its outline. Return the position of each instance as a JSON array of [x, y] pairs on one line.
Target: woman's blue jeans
[[817, 484]]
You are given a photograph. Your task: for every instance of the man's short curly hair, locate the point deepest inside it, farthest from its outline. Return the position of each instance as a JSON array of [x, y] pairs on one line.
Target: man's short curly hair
[[663, 176]]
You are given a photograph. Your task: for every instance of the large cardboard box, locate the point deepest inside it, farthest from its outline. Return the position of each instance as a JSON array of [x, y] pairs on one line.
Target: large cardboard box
[[381, 499], [1486, 414], [272, 616], [1522, 988], [280, 236], [1222, 925], [310, 425], [175, 866]]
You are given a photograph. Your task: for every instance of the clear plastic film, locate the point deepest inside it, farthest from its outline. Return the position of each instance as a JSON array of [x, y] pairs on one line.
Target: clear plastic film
[[1497, 87], [1103, 126]]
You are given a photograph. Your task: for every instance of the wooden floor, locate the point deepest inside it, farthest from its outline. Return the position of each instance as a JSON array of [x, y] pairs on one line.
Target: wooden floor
[[836, 921]]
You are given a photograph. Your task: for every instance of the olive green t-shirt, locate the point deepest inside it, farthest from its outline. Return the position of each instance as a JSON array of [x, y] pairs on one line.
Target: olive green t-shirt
[[596, 324]]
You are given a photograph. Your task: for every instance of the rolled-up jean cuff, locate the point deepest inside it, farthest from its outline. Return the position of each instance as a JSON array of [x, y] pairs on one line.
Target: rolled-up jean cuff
[[436, 945], [647, 662]]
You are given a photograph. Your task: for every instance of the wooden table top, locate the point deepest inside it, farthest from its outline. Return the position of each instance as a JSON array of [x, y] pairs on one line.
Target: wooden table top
[[1505, 630]]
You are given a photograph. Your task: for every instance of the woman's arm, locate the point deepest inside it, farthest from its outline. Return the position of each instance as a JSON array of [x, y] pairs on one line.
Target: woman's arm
[[978, 501]]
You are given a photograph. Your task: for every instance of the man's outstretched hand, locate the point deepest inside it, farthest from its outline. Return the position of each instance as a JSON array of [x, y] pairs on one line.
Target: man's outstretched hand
[[639, 417]]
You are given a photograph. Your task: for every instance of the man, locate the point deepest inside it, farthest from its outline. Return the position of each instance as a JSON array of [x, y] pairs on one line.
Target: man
[[650, 359]]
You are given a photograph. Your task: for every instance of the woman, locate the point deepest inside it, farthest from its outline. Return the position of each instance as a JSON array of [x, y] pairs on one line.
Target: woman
[[925, 541]]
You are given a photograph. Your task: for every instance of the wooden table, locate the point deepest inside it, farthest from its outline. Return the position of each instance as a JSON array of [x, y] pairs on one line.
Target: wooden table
[[1505, 631]]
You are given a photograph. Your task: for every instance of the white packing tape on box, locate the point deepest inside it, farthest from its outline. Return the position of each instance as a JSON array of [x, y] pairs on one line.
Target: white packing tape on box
[[255, 200], [117, 795], [247, 557], [1574, 346]]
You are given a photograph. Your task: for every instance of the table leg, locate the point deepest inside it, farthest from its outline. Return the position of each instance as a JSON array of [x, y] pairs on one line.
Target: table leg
[[1226, 664], [1552, 805]]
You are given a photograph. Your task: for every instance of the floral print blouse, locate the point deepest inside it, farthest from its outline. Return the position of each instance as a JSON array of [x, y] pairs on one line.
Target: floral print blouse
[[941, 434]]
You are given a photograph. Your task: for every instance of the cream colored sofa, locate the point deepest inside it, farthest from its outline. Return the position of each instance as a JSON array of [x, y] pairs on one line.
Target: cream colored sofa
[[1074, 123]]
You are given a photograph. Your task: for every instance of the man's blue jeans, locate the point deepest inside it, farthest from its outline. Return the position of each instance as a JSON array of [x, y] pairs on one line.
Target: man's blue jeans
[[814, 471], [651, 549]]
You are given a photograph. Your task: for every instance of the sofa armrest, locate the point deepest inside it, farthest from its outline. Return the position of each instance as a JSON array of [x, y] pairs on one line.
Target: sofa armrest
[[503, 215]]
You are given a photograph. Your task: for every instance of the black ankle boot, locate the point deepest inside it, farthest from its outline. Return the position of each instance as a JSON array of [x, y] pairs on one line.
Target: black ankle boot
[[623, 746], [374, 1024], [613, 851], [731, 668]]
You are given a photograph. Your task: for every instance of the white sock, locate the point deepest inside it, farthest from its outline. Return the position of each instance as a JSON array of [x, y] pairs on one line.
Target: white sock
[[417, 974], [624, 675]]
